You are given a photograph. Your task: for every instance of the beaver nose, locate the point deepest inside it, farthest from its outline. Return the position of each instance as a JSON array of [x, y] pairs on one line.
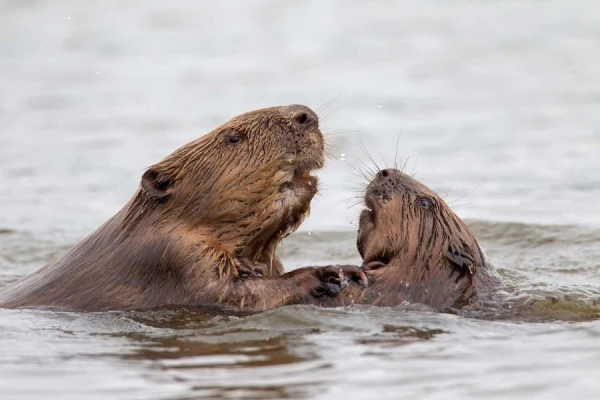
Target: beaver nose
[[300, 115], [389, 175], [385, 173]]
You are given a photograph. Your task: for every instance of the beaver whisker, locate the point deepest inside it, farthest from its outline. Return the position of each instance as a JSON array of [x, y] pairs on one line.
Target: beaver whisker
[[327, 104], [448, 191], [404, 165], [396, 153], [369, 168], [330, 148], [366, 175], [353, 204], [323, 118], [366, 153], [466, 195]]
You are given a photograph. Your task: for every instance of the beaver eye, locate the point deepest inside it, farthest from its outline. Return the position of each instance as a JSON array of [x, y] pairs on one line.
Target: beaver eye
[[233, 139], [425, 203]]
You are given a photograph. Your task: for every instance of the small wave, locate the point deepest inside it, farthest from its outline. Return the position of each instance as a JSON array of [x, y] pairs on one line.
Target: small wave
[[528, 235], [532, 301]]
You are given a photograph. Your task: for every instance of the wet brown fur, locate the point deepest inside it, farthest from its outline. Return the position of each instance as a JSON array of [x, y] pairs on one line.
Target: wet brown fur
[[430, 255], [196, 214]]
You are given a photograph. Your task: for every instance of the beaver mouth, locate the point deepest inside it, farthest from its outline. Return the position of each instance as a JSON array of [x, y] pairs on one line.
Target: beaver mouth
[[303, 173], [306, 166], [373, 203], [368, 216], [368, 227]]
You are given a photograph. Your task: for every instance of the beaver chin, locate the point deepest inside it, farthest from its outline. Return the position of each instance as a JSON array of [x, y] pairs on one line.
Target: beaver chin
[[296, 193]]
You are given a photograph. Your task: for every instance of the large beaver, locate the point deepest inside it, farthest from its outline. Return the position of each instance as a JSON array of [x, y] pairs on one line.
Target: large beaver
[[415, 249], [216, 206]]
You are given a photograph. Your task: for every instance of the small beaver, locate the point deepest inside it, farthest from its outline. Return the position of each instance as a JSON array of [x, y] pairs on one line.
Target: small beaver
[[415, 249], [214, 208]]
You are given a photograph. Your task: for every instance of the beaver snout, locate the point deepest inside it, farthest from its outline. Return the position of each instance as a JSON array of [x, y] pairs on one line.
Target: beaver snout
[[304, 141], [385, 181], [385, 184], [300, 115]]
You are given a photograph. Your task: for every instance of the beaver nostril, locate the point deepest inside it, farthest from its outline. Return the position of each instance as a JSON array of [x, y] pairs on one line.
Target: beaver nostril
[[300, 115], [384, 173], [301, 118]]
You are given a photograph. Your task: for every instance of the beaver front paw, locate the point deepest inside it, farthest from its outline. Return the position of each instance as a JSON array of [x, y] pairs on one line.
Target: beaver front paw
[[334, 278]]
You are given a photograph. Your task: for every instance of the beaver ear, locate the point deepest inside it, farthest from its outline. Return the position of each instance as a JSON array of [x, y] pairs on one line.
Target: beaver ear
[[156, 184], [460, 260]]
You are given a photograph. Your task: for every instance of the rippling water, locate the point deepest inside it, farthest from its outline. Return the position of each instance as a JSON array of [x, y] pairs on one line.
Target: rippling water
[[493, 103]]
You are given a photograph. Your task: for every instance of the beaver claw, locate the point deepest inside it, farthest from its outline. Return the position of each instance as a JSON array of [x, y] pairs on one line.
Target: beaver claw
[[337, 277]]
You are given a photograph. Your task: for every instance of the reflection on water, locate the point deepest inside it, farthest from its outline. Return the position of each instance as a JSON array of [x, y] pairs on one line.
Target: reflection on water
[[495, 103]]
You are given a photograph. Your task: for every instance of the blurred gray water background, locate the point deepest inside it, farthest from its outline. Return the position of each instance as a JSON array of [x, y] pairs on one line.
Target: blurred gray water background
[[493, 102]]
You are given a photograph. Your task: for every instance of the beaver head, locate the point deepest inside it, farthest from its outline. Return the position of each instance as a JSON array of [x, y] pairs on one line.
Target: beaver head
[[411, 231], [239, 189]]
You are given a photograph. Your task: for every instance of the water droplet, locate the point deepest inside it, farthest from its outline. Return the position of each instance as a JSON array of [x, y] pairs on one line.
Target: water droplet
[[309, 183], [309, 233], [68, 17], [343, 157], [97, 72], [351, 222], [407, 284], [378, 293], [379, 105], [337, 251]]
